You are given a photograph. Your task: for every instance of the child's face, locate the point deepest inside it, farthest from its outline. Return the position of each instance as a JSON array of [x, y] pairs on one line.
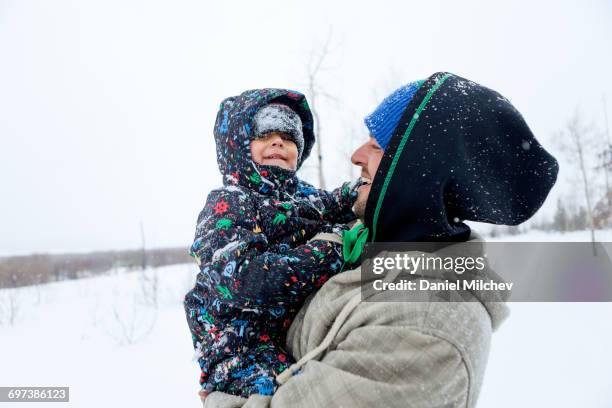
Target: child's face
[[275, 149]]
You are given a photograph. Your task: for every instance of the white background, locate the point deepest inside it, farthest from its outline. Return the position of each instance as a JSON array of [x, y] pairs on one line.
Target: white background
[[107, 107]]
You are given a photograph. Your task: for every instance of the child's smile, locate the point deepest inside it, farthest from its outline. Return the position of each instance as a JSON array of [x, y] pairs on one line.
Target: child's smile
[[275, 149]]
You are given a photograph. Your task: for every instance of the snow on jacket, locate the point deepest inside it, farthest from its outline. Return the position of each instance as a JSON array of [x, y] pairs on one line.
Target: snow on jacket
[[421, 353], [460, 151], [256, 266]]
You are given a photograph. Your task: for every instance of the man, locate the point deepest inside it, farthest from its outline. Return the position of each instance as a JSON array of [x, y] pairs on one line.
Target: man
[[442, 151]]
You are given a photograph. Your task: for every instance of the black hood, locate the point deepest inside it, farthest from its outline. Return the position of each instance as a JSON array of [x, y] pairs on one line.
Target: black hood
[[234, 132], [461, 151]]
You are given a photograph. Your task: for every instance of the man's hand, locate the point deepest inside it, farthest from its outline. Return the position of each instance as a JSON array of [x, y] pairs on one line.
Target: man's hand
[[203, 394]]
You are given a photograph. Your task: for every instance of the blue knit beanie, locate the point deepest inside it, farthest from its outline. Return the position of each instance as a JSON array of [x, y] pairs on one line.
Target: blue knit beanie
[[382, 122]]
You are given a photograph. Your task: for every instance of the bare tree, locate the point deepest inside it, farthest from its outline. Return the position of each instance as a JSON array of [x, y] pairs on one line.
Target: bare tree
[[130, 321], [10, 306], [606, 155], [318, 63], [148, 280], [577, 140], [143, 258], [149, 287]]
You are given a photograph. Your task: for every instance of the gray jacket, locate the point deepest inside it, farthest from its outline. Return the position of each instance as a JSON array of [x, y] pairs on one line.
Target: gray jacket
[[383, 354]]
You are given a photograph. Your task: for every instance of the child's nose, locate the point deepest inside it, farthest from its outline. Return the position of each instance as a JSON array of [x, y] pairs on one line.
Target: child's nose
[[277, 141]]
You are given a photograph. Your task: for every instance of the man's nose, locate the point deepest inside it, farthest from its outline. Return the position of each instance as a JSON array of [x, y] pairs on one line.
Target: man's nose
[[359, 158]]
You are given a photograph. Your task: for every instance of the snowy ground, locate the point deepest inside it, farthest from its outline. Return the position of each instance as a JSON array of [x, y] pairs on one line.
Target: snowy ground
[[552, 354], [102, 337], [66, 334]]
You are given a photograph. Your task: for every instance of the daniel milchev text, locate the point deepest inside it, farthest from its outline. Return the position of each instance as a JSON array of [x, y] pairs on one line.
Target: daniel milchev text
[[412, 264]]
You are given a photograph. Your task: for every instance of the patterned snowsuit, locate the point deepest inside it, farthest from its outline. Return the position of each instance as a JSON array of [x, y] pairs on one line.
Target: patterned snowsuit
[[256, 266]]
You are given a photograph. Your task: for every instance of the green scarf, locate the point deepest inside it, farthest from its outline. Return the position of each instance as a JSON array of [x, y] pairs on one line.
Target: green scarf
[[353, 241]]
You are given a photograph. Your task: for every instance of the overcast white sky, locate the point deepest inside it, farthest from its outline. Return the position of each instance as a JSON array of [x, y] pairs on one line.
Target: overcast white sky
[[107, 107]]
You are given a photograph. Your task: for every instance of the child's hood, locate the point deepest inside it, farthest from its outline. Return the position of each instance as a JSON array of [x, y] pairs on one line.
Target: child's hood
[[234, 132]]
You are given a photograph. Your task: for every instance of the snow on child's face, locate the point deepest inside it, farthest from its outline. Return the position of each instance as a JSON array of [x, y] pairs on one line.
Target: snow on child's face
[[275, 149]]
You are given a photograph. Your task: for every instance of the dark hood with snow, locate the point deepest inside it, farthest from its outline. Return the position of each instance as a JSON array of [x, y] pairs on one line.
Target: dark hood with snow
[[460, 151], [235, 129]]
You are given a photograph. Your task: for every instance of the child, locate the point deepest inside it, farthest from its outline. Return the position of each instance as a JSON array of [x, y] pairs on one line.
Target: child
[[251, 242]]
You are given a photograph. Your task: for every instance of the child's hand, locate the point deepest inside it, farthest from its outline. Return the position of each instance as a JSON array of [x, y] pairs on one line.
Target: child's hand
[[301, 231], [279, 225]]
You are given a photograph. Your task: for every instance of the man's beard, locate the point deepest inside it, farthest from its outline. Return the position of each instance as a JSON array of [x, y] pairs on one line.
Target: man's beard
[[363, 192], [359, 207]]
